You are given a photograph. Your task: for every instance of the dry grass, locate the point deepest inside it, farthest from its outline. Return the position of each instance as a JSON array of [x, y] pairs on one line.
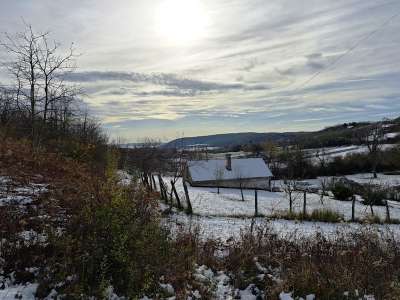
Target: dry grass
[[365, 260], [318, 215], [117, 230]]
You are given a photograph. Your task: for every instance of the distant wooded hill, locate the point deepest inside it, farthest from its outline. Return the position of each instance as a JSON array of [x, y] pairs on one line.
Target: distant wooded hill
[[338, 135]]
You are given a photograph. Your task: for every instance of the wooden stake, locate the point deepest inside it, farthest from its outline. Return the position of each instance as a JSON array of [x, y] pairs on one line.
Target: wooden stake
[[178, 201], [154, 182], [162, 191], [148, 178], [189, 205], [305, 204]]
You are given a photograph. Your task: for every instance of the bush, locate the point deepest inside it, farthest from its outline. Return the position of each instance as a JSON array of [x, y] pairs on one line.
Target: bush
[[326, 215], [374, 195], [115, 239], [99, 233], [372, 219], [365, 260], [318, 215], [341, 191]]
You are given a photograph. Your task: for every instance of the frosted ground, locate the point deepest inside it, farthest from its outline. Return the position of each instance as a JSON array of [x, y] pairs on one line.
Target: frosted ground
[[224, 215], [226, 207], [20, 196], [330, 153], [228, 203]]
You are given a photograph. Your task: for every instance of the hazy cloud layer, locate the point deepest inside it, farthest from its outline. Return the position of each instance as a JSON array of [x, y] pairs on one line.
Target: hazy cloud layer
[[260, 66], [176, 86]]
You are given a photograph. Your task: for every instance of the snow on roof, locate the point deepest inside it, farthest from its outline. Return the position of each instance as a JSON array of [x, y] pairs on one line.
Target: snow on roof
[[214, 169]]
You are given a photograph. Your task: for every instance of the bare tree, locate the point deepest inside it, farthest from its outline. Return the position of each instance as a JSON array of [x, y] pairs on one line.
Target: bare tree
[[373, 137], [176, 168], [289, 186], [239, 176], [374, 194], [23, 48], [321, 156], [272, 153], [52, 66], [37, 67], [324, 184], [219, 175]]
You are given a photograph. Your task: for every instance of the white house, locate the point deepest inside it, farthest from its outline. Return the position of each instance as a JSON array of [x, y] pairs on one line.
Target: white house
[[228, 172]]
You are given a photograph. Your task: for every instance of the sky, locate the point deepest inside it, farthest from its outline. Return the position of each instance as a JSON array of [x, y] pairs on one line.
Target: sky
[[173, 68]]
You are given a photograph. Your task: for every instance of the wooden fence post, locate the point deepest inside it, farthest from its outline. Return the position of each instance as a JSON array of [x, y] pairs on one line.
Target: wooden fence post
[[178, 201], [162, 189], [353, 205], [154, 182], [256, 202], [305, 204], [145, 180], [189, 205], [150, 182], [387, 212]]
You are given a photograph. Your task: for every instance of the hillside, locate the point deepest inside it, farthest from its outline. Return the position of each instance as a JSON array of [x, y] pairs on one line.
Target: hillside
[[233, 139], [338, 135]]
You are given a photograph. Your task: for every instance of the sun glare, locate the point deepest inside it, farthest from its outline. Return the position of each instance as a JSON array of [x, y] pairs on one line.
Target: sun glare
[[182, 21]]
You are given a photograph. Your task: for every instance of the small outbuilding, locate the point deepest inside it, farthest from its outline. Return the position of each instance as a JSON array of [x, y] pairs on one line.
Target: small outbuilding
[[229, 173]]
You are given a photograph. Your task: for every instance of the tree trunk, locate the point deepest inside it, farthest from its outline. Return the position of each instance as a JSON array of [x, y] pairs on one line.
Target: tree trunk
[[46, 99], [32, 94], [375, 164], [305, 204], [290, 203], [255, 203], [353, 205], [387, 212]]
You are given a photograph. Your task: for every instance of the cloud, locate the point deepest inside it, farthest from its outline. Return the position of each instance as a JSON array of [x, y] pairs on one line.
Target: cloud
[[171, 80], [174, 85], [247, 74]]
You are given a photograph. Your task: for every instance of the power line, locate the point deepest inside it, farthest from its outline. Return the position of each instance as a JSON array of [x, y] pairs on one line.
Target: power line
[[351, 49]]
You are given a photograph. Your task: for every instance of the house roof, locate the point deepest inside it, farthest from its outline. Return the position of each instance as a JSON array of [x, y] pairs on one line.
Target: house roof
[[214, 169]]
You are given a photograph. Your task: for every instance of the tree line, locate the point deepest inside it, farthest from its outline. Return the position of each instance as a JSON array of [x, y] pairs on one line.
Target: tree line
[[37, 102]]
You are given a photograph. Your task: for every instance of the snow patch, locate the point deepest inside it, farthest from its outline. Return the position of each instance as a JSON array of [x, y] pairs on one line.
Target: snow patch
[[23, 291]]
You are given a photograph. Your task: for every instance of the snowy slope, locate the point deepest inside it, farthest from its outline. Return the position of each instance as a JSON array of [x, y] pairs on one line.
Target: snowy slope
[[330, 153], [206, 202]]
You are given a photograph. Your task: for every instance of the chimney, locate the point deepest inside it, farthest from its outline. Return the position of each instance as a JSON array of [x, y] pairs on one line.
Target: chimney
[[228, 162]]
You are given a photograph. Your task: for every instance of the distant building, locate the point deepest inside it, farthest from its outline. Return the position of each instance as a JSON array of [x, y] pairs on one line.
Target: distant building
[[229, 173]]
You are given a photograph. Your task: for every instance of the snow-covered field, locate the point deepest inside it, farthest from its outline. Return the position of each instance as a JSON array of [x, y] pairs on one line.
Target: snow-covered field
[[224, 228], [228, 203], [331, 152], [383, 180], [224, 215]]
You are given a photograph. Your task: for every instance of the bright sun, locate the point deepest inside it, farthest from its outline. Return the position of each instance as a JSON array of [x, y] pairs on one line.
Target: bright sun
[[182, 21]]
